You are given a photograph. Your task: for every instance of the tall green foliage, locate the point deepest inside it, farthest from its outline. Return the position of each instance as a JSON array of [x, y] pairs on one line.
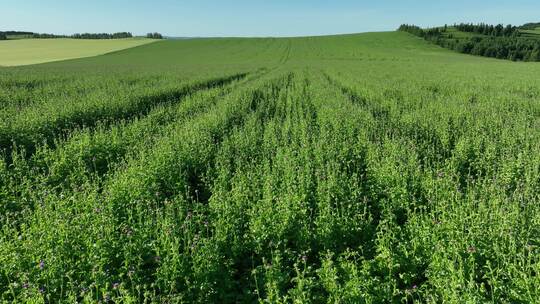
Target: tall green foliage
[[373, 168]]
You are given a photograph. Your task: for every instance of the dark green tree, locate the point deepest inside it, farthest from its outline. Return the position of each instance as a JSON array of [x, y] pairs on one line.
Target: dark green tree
[[154, 36]]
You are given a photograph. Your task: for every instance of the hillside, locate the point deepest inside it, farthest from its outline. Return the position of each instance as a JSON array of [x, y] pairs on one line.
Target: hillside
[[367, 168], [32, 51]]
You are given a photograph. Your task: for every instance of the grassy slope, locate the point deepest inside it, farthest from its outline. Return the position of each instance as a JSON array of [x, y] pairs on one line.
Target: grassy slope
[[214, 54], [33, 51]]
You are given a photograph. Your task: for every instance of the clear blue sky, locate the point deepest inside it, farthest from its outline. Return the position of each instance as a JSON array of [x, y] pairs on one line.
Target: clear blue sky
[[255, 17]]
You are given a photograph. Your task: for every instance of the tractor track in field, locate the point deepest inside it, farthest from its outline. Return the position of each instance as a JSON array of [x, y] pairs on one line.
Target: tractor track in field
[[192, 173], [287, 54], [55, 164], [28, 137], [87, 146], [385, 120]]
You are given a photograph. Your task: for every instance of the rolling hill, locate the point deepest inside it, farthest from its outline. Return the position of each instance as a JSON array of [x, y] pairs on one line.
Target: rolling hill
[[366, 168]]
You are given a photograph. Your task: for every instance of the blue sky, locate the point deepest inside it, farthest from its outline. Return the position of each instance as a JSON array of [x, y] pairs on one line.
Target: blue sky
[[253, 18]]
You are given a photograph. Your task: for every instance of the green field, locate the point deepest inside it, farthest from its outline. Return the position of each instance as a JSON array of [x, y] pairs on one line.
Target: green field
[[369, 168], [32, 51], [535, 31], [531, 33]]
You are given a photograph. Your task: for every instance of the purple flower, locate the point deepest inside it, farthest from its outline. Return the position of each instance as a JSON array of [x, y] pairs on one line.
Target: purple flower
[[414, 287], [41, 264]]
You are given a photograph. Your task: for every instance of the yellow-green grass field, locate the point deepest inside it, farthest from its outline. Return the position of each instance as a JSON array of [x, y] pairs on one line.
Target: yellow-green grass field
[[33, 51]]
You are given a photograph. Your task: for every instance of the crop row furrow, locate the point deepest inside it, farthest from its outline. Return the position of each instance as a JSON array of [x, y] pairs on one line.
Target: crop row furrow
[[32, 128], [291, 182], [436, 166], [90, 153], [173, 169]]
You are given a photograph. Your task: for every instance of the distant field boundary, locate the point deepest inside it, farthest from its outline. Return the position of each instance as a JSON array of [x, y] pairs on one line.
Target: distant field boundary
[[35, 51]]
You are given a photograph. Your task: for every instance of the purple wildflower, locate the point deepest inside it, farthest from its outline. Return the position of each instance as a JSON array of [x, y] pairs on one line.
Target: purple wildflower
[[41, 264]]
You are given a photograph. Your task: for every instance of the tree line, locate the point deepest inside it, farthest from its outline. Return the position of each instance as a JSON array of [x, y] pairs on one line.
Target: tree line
[[12, 33], [154, 36], [418, 31], [4, 35], [498, 30], [512, 47], [118, 35]]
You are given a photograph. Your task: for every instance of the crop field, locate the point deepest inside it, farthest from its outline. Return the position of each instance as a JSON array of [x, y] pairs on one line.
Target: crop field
[[369, 168], [32, 51], [531, 33]]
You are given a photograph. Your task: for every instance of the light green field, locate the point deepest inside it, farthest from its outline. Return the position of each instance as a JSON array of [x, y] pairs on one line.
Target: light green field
[[535, 31], [33, 51]]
